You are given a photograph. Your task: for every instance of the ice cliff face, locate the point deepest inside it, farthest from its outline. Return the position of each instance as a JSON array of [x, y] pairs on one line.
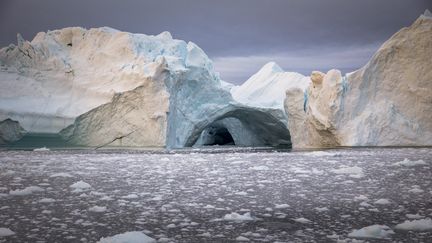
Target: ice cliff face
[[182, 102], [127, 90], [61, 74], [387, 102], [136, 117]]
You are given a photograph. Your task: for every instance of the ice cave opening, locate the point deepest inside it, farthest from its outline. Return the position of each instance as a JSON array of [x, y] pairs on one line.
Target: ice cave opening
[[217, 135], [241, 127]]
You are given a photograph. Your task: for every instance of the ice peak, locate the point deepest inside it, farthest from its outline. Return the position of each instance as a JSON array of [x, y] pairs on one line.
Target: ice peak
[[109, 29], [165, 35], [20, 40], [270, 67], [426, 15]]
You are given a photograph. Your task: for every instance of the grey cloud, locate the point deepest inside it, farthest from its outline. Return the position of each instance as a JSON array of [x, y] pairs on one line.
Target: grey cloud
[[237, 69], [225, 28]]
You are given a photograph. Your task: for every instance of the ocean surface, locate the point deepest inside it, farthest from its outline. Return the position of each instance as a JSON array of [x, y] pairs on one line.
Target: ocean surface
[[217, 194]]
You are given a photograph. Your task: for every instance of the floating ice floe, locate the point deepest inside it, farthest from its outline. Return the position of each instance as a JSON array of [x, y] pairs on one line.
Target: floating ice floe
[[61, 174], [354, 171], [365, 204], [261, 167], [98, 209], [410, 163], [321, 209], [282, 206], [80, 186], [6, 232], [320, 153], [26, 191], [47, 200], [128, 237], [372, 232], [130, 196], [361, 198], [382, 201], [206, 234], [416, 189], [242, 238], [414, 216], [415, 225], [238, 217], [43, 149], [302, 220]]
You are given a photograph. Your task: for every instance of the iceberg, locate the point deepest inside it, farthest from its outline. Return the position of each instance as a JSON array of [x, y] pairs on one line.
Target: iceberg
[[385, 103], [61, 74], [104, 87]]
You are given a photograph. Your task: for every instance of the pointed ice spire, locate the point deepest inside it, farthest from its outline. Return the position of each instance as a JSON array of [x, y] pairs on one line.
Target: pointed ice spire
[[20, 40], [262, 75], [165, 35], [427, 15], [270, 67]]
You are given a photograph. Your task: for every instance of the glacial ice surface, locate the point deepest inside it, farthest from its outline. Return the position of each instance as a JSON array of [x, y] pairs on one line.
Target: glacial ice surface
[[267, 87]]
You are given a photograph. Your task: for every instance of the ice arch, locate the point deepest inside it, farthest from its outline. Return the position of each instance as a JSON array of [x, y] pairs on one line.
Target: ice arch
[[245, 126]]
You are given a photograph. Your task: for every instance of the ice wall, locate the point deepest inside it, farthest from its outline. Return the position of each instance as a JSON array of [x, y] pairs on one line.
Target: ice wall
[[388, 102]]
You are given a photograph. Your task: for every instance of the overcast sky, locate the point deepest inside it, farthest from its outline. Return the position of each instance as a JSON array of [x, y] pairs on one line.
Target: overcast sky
[[238, 35]]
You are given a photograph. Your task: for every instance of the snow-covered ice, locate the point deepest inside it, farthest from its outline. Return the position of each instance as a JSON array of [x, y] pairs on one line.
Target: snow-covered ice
[[281, 206], [47, 200], [382, 201], [238, 217], [414, 216], [42, 149], [242, 238], [303, 220], [267, 87], [415, 225], [26, 191], [408, 163], [128, 237], [353, 171], [6, 232], [61, 174], [98, 209], [372, 232], [80, 185]]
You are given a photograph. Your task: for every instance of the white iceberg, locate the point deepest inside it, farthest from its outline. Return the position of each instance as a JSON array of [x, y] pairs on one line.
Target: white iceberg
[[385, 103]]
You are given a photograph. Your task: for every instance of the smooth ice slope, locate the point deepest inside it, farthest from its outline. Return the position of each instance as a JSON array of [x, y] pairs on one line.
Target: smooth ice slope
[[267, 87], [385, 103]]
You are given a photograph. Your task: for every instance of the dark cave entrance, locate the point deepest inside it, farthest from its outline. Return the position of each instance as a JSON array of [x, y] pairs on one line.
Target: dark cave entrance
[[240, 128], [217, 135]]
